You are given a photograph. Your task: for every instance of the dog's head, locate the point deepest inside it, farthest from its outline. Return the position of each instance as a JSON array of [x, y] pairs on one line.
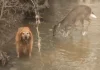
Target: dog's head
[[25, 34]]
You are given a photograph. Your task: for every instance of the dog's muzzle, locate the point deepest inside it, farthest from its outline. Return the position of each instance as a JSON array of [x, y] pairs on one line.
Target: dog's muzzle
[[25, 37]]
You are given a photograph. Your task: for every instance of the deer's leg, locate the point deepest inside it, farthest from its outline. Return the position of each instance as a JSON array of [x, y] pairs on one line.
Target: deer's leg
[[82, 30], [54, 30], [89, 21], [69, 33], [67, 30]]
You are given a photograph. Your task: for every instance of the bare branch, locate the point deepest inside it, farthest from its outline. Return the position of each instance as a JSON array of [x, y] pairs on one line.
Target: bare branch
[[37, 17], [3, 4]]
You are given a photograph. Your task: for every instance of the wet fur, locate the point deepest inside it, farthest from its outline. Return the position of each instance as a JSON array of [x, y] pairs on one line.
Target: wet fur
[[21, 46]]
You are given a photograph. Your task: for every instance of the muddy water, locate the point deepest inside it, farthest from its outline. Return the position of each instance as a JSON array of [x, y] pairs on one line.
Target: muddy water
[[77, 53]]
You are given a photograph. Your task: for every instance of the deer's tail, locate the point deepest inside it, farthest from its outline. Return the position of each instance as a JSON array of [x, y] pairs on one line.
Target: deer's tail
[[93, 15]]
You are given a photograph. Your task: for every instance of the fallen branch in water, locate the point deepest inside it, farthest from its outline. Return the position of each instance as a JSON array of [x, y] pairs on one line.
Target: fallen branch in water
[[3, 4], [37, 28], [39, 38], [37, 17], [4, 58]]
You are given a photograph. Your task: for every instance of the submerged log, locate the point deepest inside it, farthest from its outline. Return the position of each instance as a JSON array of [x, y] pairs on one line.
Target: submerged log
[[4, 58]]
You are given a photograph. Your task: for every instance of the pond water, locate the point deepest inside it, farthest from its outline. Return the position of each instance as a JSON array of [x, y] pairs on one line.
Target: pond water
[[77, 53]]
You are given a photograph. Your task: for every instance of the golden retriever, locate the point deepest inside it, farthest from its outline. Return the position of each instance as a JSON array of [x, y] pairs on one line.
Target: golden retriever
[[24, 41]]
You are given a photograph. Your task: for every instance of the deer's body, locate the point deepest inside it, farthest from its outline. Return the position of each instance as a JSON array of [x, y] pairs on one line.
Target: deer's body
[[79, 13]]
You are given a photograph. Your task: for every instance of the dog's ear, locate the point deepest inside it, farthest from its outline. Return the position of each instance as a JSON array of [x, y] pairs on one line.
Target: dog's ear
[[16, 38], [18, 35], [31, 35]]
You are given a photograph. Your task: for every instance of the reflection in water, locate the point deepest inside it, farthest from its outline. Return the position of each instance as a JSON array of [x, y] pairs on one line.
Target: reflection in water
[[72, 54], [74, 50]]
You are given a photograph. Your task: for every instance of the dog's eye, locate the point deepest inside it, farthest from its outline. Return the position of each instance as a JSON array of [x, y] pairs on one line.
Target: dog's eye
[[27, 33], [22, 32]]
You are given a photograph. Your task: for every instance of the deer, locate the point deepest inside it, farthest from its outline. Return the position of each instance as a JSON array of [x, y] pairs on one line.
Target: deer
[[79, 13]]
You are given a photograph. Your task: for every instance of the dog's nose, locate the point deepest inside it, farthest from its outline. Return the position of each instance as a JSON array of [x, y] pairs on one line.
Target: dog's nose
[[25, 37]]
